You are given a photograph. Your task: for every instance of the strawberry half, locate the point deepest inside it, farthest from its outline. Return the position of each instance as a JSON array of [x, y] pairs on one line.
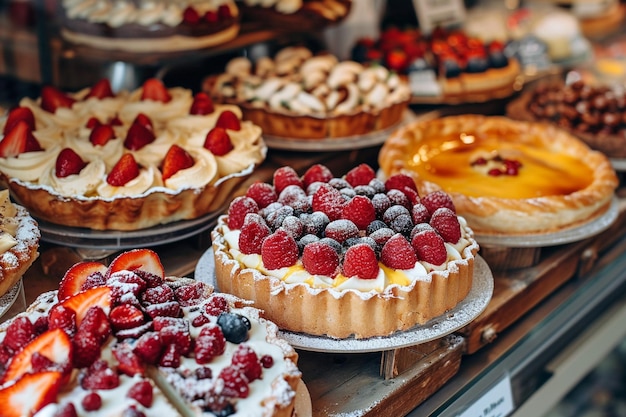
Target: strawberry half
[[101, 134], [83, 301], [101, 89], [15, 115], [176, 159], [228, 120], [125, 169], [68, 163], [137, 259], [76, 276], [218, 142], [53, 344], [139, 134], [30, 394], [202, 104], [53, 98], [154, 89], [20, 139]]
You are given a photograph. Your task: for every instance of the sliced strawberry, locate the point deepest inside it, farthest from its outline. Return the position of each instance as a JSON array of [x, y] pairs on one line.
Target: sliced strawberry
[[145, 121], [123, 171], [202, 104], [92, 122], [101, 134], [138, 136], [228, 120], [15, 115], [20, 139], [138, 259], [68, 163], [30, 394], [101, 89], [84, 300], [54, 344], [176, 159], [53, 98], [191, 15], [154, 89], [218, 142], [76, 276]]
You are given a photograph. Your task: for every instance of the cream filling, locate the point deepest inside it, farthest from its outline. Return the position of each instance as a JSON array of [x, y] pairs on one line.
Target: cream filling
[[86, 182], [201, 173], [148, 177]]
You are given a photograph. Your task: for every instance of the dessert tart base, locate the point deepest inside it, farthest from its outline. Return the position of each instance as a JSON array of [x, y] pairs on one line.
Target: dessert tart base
[[465, 312]]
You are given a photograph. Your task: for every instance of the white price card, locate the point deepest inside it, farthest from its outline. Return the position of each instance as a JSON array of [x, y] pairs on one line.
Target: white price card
[[434, 13], [497, 402]]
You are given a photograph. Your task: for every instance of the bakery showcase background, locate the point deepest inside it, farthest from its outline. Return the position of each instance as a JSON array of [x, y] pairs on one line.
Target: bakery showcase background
[[312, 207]]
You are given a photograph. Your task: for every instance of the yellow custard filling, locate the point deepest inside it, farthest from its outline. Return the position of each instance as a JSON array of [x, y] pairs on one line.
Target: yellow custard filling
[[449, 162]]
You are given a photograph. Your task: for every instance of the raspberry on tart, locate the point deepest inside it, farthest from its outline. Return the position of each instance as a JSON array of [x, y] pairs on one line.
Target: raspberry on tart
[[504, 177], [100, 160], [323, 268], [213, 354]]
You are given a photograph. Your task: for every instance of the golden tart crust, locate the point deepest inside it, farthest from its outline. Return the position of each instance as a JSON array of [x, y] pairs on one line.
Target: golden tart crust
[[561, 182]]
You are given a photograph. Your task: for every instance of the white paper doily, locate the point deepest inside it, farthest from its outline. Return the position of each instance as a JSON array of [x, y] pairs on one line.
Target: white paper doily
[[9, 298], [573, 234], [466, 311]]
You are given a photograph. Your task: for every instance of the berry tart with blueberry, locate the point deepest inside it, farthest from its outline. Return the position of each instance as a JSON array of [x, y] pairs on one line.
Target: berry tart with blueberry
[[505, 177], [594, 113], [147, 26], [126, 340], [127, 160], [344, 257]]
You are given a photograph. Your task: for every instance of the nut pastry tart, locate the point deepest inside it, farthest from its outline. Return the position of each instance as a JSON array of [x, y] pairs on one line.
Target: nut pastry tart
[[127, 160], [297, 94], [505, 177]]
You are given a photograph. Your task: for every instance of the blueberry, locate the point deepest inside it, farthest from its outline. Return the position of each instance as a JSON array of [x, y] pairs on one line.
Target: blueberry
[[234, 326], [477, 64], [498, 59], [450, 68]]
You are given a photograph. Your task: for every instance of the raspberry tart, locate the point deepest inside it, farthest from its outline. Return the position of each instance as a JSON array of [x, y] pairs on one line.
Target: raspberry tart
[[297, 94], [127, 340], [593, 113], [143, 26], [344, 257], [505, 177], [19, 242], [125, 161]]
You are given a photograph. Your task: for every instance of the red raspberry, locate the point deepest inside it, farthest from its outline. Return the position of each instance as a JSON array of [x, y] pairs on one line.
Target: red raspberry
[[149, 347], [360, 175], [156, 295], [247, 359], [178, 336], [142, 393], [39, 362], [86, 349], [124, 282], [446, 224], [398, 253], [66, 410], [238, 209], [399, 181], [429, 247], [267, 361], [190, 15], [95, 323], [223, 11], [128, 362], [167, 309], [126, 316], [320, 259], [191, 294], [262, 193], [437, 199], [170, 357], [316, 173], [91, 401], [360, 260], [329, 201], [100, 376], [360, 211], [279, 250], [341, 230], [253, 232], [19, 333], [420, 214], [411, 194], [200, 320], [285, 176], [235, 382], [216, 305], [209, 344], [61, 317]]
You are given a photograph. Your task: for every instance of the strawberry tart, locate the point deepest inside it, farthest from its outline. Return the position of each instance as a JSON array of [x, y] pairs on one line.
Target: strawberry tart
[[19, 242], [147, 26], [297, 94], [125, 340], [295, 14], [505, 177], [344, 257], [125, 161]]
